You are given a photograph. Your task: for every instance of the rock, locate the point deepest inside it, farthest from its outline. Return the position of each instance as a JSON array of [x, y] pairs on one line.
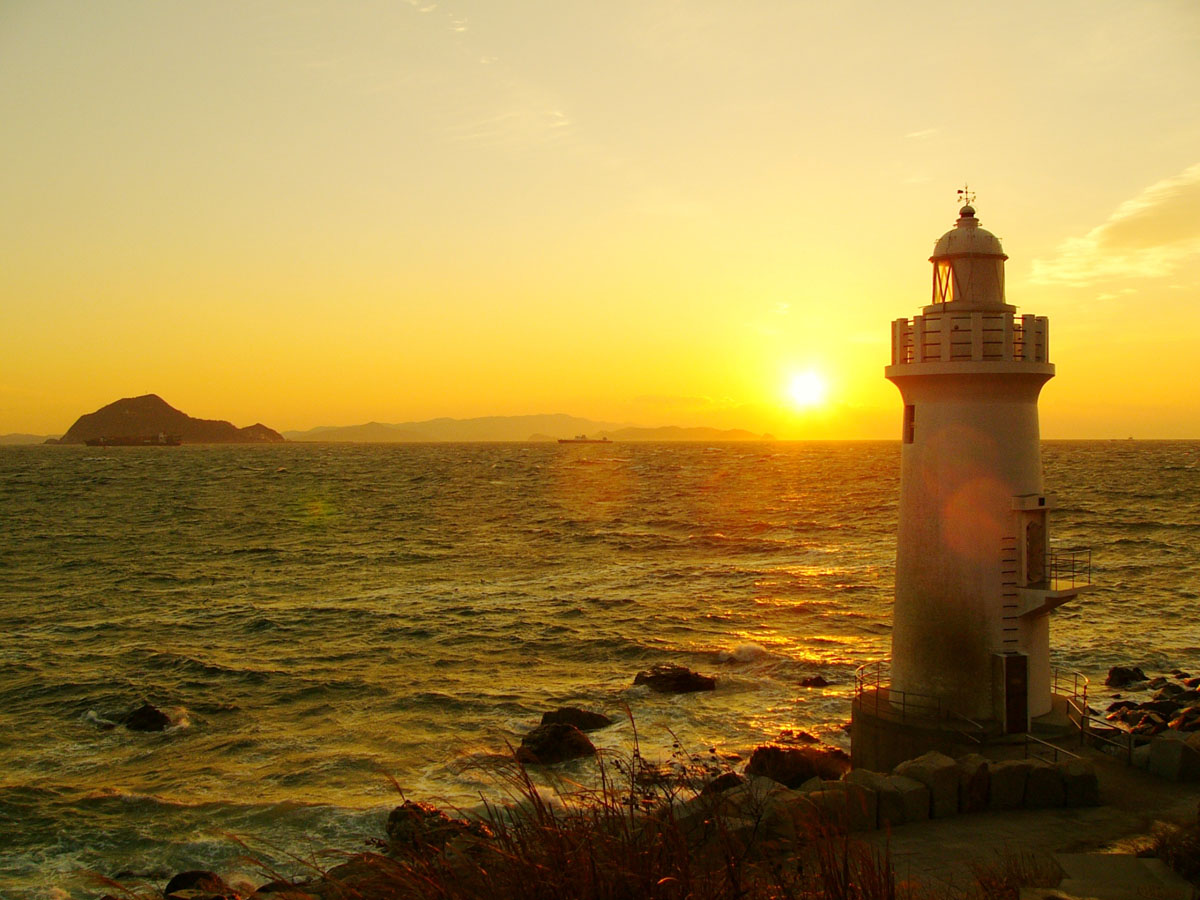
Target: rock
[[974, 782], [1168, 691], [1080, 784], [1122, 676], [846, 804], [1008, 780], [197, 883], [898, 799], [669, 678], [415, 827], [583, 719], [1193, 682], [549, 744], [792, 766], [1180, 674], [1187, 720], [1157, 682], [1044, 786], [1174, 759], [722, 782], [1147, 723], [791, 736], [1121, 704], [813, 681], [1162, 706], [939, 773], [147, 718]]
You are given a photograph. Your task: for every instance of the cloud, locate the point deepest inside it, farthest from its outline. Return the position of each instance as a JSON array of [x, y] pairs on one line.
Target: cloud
[[1150, 236], [922, 134]]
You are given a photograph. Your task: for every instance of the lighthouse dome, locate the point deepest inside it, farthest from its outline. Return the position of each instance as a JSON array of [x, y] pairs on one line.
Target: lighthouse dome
[[968, 267], [966, 237]]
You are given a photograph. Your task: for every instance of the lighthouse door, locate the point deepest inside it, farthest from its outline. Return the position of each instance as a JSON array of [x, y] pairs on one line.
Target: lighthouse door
[[1016, 693]]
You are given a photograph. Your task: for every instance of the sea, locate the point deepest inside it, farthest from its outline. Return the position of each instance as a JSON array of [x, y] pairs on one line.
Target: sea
[[332, 628]]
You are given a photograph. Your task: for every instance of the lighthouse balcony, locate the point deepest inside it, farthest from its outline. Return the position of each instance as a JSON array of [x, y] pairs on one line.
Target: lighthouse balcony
[[978, 336], [1068, 573]]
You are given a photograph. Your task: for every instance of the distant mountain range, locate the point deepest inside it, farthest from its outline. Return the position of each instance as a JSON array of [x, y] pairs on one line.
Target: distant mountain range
[[512, 428], [150, 415]]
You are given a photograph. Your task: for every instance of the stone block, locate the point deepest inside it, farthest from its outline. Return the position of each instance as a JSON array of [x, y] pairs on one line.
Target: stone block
[[974, 782], [1172, 758], [1044, 786], [939, 773], [1008, 780], [914, 797], [1080, 783], [847, 805]]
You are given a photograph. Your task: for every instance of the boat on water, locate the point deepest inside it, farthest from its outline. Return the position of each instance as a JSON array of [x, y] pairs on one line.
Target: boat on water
[[162, 439], [584, 439]]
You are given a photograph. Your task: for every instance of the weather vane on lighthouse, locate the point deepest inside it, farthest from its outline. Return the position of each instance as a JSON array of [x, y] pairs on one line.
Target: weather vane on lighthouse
[[966, 195]]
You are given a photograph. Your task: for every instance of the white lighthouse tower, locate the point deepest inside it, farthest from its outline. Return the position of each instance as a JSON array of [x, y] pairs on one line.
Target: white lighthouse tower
[[975, 578]]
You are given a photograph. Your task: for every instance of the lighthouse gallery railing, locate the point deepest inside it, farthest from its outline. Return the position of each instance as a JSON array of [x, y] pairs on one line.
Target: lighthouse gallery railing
[[873, 690]]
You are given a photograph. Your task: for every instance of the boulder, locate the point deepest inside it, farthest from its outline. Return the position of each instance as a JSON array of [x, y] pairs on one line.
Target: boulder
[[1188, 719], [1008, 780], [1044, 787], [583, 719], [974, 782], [846, 804], [792, 736], [1175, 759], [147, 718], [722, 782], [414, 827], [1120, 705], [1157, 682], [939, 773], [792, 766], [1121, 676], [555, 743], [1080, 784], [1146, 723], [1193, 682], [813, 681], [1168, 691], [669, 678], [898, 799], [197, 883]]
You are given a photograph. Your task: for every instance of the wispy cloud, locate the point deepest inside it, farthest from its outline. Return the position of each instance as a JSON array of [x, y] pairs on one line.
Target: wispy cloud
[[1150, 236], [922, 134]]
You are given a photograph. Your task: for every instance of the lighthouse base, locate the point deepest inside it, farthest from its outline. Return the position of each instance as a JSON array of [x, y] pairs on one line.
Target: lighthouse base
[[880, 739]]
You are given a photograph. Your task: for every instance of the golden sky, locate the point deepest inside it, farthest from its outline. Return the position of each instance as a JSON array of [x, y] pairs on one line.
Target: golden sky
[[649, 212]]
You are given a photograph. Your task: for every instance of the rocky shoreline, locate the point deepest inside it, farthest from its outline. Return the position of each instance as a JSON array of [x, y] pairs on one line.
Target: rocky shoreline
[[787, 792]]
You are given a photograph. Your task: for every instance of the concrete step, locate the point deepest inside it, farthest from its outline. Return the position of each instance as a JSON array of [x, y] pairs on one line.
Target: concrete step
[[1113, 876]]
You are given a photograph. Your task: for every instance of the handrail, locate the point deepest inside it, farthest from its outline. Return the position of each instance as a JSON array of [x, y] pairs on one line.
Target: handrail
[[875, 678], [1069, 566], [1033, 739]]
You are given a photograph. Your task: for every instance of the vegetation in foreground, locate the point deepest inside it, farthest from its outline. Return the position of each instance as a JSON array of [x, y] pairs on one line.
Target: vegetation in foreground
[[684, 831]]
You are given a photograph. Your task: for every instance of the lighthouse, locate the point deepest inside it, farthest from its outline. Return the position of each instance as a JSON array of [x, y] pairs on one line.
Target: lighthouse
[[976, 580]]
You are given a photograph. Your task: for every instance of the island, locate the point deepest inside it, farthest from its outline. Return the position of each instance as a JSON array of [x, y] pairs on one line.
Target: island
[[150, 421]]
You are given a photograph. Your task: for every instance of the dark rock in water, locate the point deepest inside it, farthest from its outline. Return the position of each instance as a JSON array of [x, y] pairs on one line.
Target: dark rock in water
[[1147, 723], [1180, 674], [147, 718], [1193, 682], [1162, 707], [1122, 704], [1187, 720], [416, 826], [1157, 682], [1168, 690], [792, 736], [669, 678], [1122, 676], [813, 681], [583, 719], [722, 782], [549, 744], [198, 883], [792, 766]]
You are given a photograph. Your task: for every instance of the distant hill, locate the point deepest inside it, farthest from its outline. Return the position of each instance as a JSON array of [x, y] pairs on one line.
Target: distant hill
[[513, 428], [675, 433], [150, 414], [487, 428], [17, 438]]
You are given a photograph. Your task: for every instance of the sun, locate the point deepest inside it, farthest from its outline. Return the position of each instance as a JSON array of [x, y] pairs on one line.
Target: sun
[[807, 389]]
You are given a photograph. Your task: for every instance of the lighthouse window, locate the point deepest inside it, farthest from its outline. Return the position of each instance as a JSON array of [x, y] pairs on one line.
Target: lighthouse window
[[910, 414]]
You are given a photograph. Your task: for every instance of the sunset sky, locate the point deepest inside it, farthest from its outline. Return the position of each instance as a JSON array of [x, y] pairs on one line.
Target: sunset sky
[[647, 212]]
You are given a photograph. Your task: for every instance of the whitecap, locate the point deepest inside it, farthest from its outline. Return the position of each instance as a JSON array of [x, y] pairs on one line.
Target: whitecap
[[743, 653]]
